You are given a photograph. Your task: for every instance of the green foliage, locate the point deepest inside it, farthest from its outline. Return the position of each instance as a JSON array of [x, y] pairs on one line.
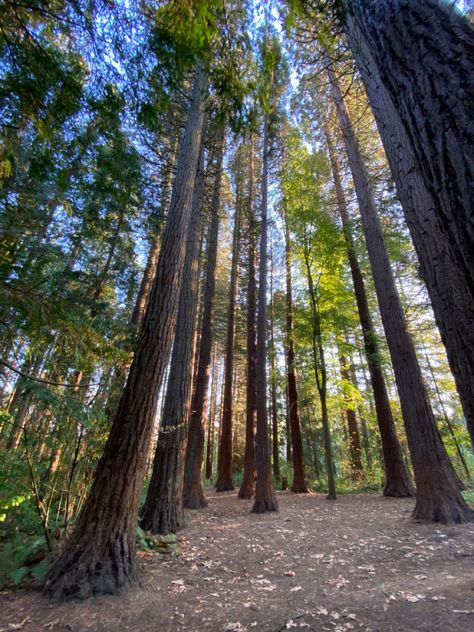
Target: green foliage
[[22, 558], [165, 544]]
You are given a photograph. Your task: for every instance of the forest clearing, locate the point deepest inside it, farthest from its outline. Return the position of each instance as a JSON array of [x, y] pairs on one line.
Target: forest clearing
[[236, 315], [357, 565]]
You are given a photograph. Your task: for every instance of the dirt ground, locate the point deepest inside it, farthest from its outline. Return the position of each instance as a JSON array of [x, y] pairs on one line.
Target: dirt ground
[[355, 564]]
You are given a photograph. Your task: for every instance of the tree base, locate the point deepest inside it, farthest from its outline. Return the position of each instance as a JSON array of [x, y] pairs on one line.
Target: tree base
[[443, 508], [194, 498], [224, 486], [262, 506], [163, 521], [245, 493], [399, 491], [80, 572], [300, 488]]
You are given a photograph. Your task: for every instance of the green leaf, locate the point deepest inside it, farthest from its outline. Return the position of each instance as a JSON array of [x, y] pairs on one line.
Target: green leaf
[[19, 574]]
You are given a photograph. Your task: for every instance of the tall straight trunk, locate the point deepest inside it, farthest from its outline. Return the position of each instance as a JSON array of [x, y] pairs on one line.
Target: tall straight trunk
[[320, 374], [314, 444], [438, 497], [212, 416], [273, 383], [299, 485], [224, 478], [265, 497], [353, 430], [451, 297], [193, 492], [397, 479], [100, 555], [163, 508], [247, 486], [287, 427], [424, 53]]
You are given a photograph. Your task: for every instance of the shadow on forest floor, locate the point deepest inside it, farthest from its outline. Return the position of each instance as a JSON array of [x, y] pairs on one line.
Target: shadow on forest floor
[[356, 564]]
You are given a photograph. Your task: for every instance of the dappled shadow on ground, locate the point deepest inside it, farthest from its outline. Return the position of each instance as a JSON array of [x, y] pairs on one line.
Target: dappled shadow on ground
[[356, 564]]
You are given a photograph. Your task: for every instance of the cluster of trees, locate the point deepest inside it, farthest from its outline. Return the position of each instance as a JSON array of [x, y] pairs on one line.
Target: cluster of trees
[[210, 259]]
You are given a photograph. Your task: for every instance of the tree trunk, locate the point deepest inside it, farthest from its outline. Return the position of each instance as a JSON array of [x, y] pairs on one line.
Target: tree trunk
[[299, 478], [163, 508], [100, 556], [212, 417], [273, 383], [451, 297], [247, 486], [424, 52], [224, 481], [193, 492], [438, 497], [397, 479], [265, 497]]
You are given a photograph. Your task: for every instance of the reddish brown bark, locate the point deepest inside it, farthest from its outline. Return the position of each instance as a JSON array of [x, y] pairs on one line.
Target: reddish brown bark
[[163, 508], [451, 297], [247, 486], [224, 479], [100, 555], [265, 498], [193, 492], [438, 497]]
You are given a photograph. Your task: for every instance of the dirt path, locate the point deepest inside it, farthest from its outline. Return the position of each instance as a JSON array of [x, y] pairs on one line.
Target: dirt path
[[357, 564]]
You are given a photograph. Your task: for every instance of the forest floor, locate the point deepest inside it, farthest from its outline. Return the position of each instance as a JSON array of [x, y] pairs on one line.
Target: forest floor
[[356, 564]]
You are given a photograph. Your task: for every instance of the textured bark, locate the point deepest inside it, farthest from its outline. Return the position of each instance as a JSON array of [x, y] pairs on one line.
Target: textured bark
[[397, 479], [353, 430], [273, 386], [299, 485], [224, 479], [163, 508], [247, 487], [211, 420], [451, 297], [100, 555], [275, 434], [193, 492], [438, 497], [265, 497], [424, 52]]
